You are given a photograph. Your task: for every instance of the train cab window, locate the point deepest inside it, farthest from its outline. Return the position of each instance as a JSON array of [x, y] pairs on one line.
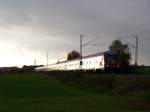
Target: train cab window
[[111, 58]]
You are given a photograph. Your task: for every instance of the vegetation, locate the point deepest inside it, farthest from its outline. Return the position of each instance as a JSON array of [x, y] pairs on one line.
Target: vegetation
[[111, 83], [123, 51], [39, 93], [14, 70], [141, 70], [73, 55], [136, 87]]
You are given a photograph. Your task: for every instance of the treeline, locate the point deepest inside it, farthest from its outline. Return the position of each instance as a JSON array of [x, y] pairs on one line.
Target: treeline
[[12, 70]]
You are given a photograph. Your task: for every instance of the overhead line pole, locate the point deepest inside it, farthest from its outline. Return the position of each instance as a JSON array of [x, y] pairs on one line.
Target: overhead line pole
[[136, 51], [81, 51], [82, 45], [134, 46], [47, 59], [34, 62]]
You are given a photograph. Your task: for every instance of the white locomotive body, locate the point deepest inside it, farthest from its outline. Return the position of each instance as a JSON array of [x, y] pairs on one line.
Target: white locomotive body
[[99, 61]]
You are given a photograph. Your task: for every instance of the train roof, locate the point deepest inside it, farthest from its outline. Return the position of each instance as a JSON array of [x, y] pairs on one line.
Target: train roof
[[88, 56], [98, 54]]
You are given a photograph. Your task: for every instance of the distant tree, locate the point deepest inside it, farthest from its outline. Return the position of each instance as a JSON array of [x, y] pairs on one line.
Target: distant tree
[[26, 68], [123, 51], [73, 55]]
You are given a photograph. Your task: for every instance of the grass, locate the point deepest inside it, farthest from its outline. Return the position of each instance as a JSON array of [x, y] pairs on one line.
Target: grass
[[144, 70], [38, 93]]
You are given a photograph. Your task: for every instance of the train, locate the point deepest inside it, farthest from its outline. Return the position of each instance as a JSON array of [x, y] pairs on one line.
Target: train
[[104, 61]]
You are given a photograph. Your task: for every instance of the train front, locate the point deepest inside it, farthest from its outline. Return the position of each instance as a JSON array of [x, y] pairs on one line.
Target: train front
[[111, 62]]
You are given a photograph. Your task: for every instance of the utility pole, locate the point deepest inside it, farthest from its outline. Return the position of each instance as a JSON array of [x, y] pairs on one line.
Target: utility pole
[[134, 46], [136, 51], [47, 59], [81, 37], [34, 62], [82, 45]]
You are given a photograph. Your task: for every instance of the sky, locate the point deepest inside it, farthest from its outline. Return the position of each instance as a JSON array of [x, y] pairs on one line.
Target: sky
[[29, 29]]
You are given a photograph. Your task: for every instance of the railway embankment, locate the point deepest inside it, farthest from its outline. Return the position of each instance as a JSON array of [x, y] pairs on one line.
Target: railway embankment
[[136, 86], [115, 83]]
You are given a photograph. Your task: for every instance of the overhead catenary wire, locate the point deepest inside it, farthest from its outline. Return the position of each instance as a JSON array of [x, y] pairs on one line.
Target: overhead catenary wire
[[133, 34]]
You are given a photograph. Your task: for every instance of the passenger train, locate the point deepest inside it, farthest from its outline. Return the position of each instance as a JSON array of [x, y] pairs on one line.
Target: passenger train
[[101, 61]]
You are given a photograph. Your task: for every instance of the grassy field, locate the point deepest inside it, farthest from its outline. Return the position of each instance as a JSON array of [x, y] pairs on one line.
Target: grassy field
[[39, 93]]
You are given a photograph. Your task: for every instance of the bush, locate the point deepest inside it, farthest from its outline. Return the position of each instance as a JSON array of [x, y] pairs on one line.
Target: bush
[[131, 85]]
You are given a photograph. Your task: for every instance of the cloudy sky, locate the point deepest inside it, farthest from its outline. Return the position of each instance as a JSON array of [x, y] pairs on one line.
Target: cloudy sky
[[31, 28]]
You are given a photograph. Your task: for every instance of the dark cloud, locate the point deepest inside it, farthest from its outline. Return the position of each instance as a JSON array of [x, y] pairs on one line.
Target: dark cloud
[[55, 25]]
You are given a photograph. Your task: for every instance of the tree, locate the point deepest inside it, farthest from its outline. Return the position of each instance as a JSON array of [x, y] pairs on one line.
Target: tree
[[73, 55], [123, 52]]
